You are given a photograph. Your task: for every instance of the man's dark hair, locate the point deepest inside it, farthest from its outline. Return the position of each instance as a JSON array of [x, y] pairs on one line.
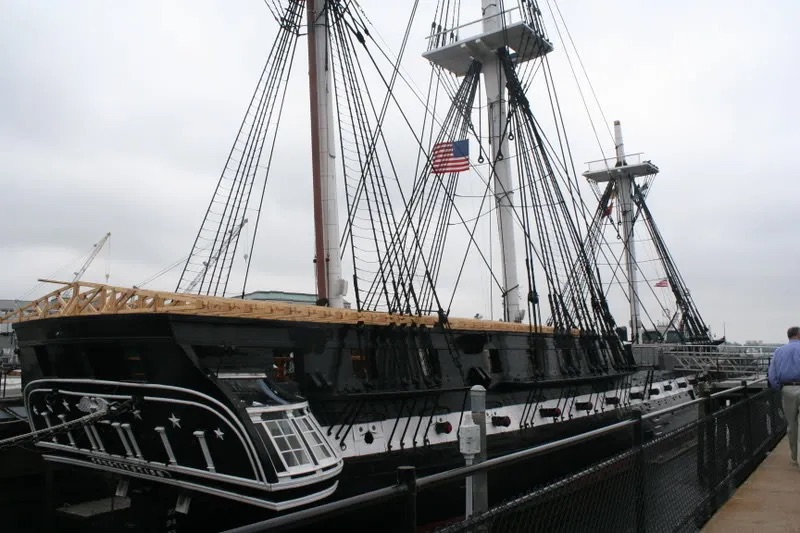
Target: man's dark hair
[[793, 331]]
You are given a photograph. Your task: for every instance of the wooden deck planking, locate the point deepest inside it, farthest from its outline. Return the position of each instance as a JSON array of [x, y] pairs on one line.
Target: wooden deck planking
[[769, 500]]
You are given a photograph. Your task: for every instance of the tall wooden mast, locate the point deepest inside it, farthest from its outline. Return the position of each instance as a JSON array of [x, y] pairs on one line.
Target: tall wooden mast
[[330, 285]]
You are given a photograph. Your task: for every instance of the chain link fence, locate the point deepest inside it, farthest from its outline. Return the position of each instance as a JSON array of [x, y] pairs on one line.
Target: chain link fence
[[673, 483]]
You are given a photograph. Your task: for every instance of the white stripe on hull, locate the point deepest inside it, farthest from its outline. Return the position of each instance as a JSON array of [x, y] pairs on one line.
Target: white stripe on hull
[[410, 432]]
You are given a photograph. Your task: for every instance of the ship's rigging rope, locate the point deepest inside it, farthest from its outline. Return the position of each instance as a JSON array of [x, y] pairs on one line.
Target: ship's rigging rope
[[692, 328], [212, 254], [574, 75], [402, 254], [367, 193], [102, 411], [431, 205], [426, 216], [435, 207], [560, 243], [596, 241], [597, 245], [396, 238], [378, 284]]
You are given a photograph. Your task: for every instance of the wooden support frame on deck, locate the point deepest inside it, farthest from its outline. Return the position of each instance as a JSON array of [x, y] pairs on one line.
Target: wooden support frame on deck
[[82, 298]]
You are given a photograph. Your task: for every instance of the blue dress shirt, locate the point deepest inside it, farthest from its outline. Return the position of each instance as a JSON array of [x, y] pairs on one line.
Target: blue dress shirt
[[785, 365]]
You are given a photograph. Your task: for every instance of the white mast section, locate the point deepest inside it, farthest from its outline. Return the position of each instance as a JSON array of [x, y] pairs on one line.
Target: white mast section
[[625, 184], [495, 82]]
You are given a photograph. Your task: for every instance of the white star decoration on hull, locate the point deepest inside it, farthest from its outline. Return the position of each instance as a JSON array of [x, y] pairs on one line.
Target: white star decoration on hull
[[137, 414], [175, 421], [218, 432]]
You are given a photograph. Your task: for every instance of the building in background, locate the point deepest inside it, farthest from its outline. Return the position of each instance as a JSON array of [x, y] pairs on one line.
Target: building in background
[[290, 297], [7, 341]]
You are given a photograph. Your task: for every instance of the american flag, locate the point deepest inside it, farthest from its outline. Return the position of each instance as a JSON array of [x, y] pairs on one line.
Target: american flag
[[662, 283], [451, 156]]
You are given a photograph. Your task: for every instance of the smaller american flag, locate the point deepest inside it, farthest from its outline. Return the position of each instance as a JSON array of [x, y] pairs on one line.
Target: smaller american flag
[[451, 156], [662, 283]]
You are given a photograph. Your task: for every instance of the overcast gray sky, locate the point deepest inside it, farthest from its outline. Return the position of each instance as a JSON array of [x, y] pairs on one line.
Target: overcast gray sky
[[119, 116]]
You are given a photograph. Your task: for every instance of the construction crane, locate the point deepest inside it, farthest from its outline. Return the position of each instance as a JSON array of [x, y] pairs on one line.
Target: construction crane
[[97, 247], [82, 270]]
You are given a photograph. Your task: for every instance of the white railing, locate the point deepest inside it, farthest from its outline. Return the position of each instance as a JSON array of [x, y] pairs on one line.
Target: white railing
[[610, 162], [722, 361], [509, 19]]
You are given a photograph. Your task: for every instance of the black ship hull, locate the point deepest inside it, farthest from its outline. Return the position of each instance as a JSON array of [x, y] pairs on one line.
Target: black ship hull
[[16, 461], [13, 418], [204, 395]]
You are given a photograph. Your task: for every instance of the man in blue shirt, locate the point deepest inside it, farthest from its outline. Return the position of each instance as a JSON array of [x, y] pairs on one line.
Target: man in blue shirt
[[784, 375]]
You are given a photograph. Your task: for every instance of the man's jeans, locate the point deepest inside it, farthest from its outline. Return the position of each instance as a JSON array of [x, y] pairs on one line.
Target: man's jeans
[[791, 410]]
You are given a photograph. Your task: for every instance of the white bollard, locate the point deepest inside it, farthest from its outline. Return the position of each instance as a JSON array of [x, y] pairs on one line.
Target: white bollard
[[469, 440]]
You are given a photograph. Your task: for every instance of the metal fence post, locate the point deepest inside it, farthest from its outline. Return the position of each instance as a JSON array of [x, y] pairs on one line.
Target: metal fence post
[[702, 411], [407, 475], [640, 497], [480, 494], [748, 428], [710, 449]]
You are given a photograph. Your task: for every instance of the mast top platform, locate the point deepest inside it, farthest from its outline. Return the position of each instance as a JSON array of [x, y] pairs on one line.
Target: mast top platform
[[604, 170], [521, 38]]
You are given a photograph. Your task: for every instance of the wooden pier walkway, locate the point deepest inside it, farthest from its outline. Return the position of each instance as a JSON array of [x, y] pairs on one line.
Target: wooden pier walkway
[[768, 501]]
